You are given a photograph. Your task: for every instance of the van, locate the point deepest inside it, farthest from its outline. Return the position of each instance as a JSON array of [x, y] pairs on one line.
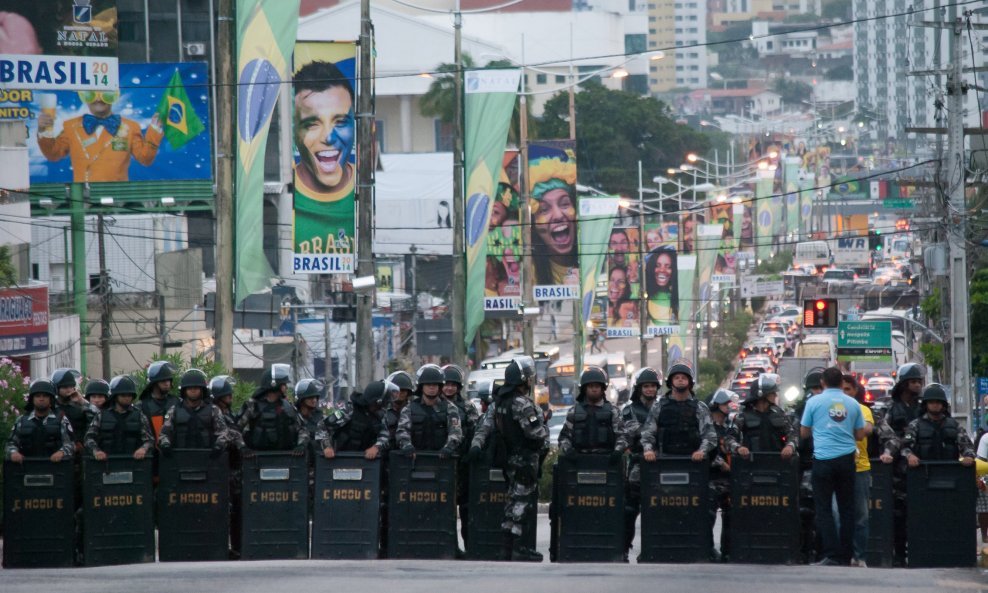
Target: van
[[813, 253], [817, 347]]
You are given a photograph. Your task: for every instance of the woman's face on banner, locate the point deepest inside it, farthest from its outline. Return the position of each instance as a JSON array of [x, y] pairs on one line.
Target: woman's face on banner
[[663, 270], [617, 282], [555, 222]]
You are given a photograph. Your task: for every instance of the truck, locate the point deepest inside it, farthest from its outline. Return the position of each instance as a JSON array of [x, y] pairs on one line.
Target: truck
[[851, 252], [791, 372]]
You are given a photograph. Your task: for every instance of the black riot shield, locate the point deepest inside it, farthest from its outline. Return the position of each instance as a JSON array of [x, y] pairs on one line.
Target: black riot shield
[[941, 515], [193, 502], [881, 508], [675, 520], [591, 509], [275, 507], [765, 509], [39, 513], [117, 510], [488, 495], [422, 506], [346, 513]]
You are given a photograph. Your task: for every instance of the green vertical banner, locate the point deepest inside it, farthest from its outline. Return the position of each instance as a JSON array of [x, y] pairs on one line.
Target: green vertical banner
[[597, 215], [686, 271], [708, 243], [765, 219], [790, 173], [324, 237], [266, 32], [489, 99], [806, 193]]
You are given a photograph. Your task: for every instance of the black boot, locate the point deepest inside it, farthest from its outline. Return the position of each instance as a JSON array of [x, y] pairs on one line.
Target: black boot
[[522, 553], [507, 543]]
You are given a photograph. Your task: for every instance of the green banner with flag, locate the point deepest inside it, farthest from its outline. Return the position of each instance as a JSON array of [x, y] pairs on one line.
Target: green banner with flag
[[806, 192], [489, 99], [765, 219], [790, 172], [180, 120], [596, 221], [266, 32]]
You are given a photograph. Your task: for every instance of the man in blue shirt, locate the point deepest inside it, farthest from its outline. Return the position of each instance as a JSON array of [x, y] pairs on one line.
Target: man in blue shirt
[[835, 422]]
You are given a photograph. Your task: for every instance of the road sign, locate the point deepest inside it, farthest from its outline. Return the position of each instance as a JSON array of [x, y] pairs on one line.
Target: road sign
[[982, 386], [864, 340], [897, 203]]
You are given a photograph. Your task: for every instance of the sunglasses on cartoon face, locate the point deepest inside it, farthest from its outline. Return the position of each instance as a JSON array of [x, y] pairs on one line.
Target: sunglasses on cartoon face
[[108, 97]]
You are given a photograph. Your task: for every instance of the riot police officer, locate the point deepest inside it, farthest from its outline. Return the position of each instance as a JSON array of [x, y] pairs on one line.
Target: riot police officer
[[308, 392], [900, 408], [40, 432], [453, 392], [429, 423], [221, 392], [398, 401], [720, 473], [120, 429], [70, 403], [97, 392], [644, 391], [678, 424], [269, 421], [935, 435], [812, 386], [593, 425], [762, 426], [519, 433], [194, 423], [156, 397], [358, 424]]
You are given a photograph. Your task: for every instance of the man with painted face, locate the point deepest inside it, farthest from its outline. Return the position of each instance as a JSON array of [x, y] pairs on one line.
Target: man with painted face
[[120, 429], [99, 143], [514, 424], [679, 424], [936, 435], [429, 422], [70, 404], [469, 416], [397, 402], [40, 432], [644, 391], [194, 423], [324, 176], [720, 473], [762, 426], [269, 421], [156, 398]]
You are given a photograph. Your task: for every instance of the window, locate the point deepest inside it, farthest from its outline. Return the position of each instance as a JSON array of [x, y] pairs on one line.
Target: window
[[541, 79], [379, 135], [560, 79], [444, 136]]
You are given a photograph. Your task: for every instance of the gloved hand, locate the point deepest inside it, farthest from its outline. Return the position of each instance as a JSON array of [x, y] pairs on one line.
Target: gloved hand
[[474, 454], [247, 453], [616, 456], [408, 450], [298, 451], [445, 453], [166, 451], [216, 452], [569, 453]]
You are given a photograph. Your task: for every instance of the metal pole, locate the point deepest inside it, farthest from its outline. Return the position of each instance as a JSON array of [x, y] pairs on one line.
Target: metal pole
[[642, 297], [954, 182], [161, 325], [578, 326], [328, 356], [458, 310], [79, 276], [224, 208], [527, 336], [365, 199], [104, 293]]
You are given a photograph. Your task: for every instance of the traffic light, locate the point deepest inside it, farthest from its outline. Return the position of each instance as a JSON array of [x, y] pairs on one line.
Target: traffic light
[[820, 313], [875, 240]]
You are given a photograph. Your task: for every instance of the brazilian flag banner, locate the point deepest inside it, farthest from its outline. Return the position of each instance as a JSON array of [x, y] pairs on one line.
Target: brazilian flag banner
[[175, 110]]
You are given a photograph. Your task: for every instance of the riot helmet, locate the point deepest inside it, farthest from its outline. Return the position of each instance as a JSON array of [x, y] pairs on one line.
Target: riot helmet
[[161, 370], [486, 388], [221, 386], [193, 378], [520, 371], [813, 379], [721, 396], [680, 368], [909, 371], [403, 380], [592, 376], [97, 387], [309, 388], [430, 374], [65, 378], [122, 385], [273, 378], [376, 393], [934, 392], [42, 386], [453, 374], [641, 378], [766, 384]]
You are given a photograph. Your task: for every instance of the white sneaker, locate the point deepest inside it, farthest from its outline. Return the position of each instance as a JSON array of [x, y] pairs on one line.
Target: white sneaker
[[858, 563]]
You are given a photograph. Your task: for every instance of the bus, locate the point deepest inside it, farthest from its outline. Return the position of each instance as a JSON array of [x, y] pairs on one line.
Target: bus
[[544, 357], [561, 379]]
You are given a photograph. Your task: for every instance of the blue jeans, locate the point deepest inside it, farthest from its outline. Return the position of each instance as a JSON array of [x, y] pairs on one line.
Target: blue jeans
[[862, 496]]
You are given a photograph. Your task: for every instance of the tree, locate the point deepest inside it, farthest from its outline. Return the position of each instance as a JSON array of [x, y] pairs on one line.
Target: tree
[[8, 273], [792, 91], [614, 130]]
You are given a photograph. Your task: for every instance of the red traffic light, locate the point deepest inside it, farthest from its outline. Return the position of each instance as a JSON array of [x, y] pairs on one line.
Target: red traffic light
[[821, 305], [820, 313]]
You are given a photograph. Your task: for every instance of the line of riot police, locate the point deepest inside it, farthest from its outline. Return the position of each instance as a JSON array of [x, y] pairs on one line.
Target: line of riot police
[[386, 473]]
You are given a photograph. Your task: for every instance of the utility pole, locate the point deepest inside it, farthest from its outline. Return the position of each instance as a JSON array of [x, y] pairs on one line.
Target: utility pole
[[77, 205], [458, 309], [328, 371], [223, 313], [162, 330], [643, 298], [104, 295], [365, 199], [527, 335], [578, 326]]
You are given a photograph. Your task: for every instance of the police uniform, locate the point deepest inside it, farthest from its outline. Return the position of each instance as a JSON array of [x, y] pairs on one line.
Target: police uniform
[[719, 478], [423, 427], [768, 431], [194, 426], [272, 426], [519, 434], [119, 433], [936, 439], [633, 416], [469, 417], [153, 406], [678, 427], [40, 436]]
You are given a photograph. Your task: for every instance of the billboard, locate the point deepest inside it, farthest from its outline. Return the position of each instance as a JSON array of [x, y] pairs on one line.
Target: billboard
[[325, 135], [552, 198], [155, 129], [58, 45], [623, 282], [502, 277], [23, 320]]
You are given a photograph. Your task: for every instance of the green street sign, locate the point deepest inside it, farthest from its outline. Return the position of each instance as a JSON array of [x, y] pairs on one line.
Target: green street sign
[[897, 203], [864, 340]]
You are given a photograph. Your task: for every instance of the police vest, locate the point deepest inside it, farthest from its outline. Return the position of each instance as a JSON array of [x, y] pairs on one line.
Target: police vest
[[194, 428], [77, 419], [937, 442], [639, 412], [360, 433], [429, 425], [679, 427], [275, 427], [391, 417], [593, 427], [467, 425], [313, 421], [764, 432], [900, 415], [119, 434], [40, 437], [509, 428]]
